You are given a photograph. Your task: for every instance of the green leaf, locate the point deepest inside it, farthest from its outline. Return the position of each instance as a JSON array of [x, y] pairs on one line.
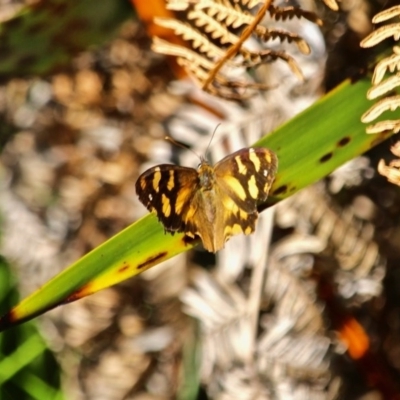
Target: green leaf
[[309, 147], [321, 139], [190, 376], [28, 370]]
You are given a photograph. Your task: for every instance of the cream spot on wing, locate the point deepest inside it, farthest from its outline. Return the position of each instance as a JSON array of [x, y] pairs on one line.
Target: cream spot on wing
[[265, 172], [267, 187], [166, 205], [171, 180], [254, 159], [229, 204], [243, 214], [156, 179], [232, 230], [253, 189], [236, 186], [248, 230], [150, 197], [241, 167]]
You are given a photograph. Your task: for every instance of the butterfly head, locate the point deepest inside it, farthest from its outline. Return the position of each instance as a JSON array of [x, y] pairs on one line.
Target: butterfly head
[[206, 174]]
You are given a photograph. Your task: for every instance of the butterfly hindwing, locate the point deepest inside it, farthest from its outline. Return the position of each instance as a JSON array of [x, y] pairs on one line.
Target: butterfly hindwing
[[239, 222]]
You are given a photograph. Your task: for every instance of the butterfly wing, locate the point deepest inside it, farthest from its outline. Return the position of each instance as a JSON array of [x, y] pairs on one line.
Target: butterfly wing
[[244, 179], [168, 190]]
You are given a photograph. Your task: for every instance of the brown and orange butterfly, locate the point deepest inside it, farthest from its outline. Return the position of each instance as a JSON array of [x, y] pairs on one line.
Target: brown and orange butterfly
[[213, 203]]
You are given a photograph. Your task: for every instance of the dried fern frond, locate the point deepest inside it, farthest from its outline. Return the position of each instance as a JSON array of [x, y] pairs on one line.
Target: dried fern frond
[[254, 59], [392, 170], [266, 34], [389, 103], [225, 323], [332, 4], [347, 239], [390, 64], [291, 351], [381, 86], [217, 31], [284, 13], [293, 301], [386, 31]]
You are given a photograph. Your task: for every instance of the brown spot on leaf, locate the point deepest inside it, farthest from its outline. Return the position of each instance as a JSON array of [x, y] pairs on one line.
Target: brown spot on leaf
[[280, 190], [78, 294], [326, 157], [152, 260], [124, 267], [343, 141]]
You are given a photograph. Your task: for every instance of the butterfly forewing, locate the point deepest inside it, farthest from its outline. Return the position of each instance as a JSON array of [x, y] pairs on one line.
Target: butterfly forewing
[[246, 176], [168, 190]]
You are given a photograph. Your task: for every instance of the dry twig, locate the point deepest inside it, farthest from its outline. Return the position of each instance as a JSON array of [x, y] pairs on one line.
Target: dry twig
[[382, 86]]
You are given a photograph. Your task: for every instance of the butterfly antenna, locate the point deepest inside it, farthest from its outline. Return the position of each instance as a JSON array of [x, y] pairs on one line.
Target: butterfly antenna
[[209, 143], [181, 145]]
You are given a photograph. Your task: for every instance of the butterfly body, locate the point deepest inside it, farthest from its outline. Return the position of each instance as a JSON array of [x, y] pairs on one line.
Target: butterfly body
[[213, 203]]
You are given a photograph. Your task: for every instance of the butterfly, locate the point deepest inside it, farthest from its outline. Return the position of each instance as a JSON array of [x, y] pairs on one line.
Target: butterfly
[[212, 202]]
